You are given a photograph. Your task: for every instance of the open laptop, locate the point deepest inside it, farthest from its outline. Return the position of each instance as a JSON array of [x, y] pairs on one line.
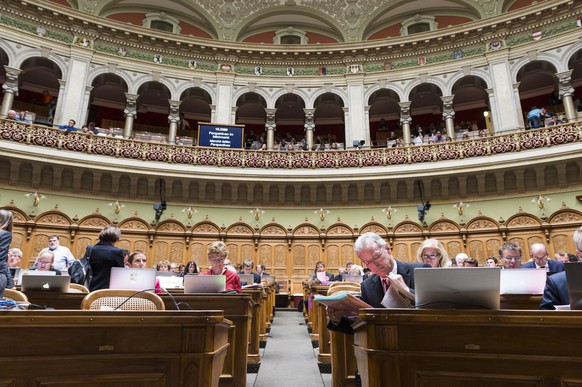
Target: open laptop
[[522, 281], [46, 283], [574, 279], [196, 283], [457, 288], [248, 278], [353, 278], [24, 272], [166, 282], [270, 279], [134, 279]]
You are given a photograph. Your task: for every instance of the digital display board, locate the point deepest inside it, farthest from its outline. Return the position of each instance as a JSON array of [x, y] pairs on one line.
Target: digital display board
[[221, 136]]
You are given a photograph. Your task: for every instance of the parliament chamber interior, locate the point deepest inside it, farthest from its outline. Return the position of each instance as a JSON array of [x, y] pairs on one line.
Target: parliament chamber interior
[[287, 130]]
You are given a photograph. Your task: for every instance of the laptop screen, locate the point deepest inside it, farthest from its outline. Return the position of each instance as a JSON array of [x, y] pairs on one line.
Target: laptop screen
[[523, 281], [574, 280], [248, 278], [457, 288], [133, 279], [46, 283], [196, 283]]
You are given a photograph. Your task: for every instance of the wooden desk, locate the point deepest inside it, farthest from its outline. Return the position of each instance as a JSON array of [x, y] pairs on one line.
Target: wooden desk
[[457, 348], [94, 348], [238, 309], [258, 312], [520, 301], [56, 300]]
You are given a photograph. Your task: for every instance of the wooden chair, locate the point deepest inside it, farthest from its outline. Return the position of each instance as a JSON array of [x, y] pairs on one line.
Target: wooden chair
[[77, 288], [343, 286], [122, 299], [15, 295]]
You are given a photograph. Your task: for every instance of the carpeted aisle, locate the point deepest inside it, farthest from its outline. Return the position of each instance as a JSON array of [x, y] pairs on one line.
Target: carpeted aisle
[[289, 359]]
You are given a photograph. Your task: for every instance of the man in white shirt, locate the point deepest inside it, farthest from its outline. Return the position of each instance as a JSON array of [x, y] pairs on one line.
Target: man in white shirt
[[63, 256]]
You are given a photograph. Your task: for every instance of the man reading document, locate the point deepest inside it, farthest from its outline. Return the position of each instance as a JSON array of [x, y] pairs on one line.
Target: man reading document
[[390, 280]]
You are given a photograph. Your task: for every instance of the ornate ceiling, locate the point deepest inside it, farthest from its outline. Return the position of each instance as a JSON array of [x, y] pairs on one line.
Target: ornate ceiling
[[326, 21]]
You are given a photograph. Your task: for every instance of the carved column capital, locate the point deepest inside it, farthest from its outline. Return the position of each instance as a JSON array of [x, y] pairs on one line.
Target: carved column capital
[[448, 111], [130, 105], [11, 82], [174, 115], [565, 83], [405, 112]]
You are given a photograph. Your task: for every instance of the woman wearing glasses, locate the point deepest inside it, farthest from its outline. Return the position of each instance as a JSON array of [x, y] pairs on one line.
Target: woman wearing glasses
[[45, 260], [217, 253], [432, 252]]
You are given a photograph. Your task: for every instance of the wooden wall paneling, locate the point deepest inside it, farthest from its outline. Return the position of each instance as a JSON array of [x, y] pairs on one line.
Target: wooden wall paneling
[[562, 225], [524, 229], [407, 236], [169, 242], [203, 233], [238, 237]]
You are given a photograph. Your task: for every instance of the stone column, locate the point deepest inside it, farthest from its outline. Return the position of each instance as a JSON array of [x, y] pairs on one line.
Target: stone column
[[367, 125], [70, 104], [519, 111], [58, 114], [213, 113], [233, 114], [86, 99], [309, 127], [493, 118], [130, 113], [405, 121], [449, 115], [566, 93], [173, 119], [10, 87], [270, 126]]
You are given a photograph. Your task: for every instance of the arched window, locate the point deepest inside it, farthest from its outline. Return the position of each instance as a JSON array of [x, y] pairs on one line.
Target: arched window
[[162, 22], [417, 24], [290, 35]]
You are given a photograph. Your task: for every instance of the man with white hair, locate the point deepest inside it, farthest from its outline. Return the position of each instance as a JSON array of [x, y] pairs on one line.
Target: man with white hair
[[556, 291], [539, 255], [460, 259]]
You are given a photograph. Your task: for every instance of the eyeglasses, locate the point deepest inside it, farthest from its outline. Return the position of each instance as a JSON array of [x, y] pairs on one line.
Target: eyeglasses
[[376, 257], [432, 257], [44, 262], [217, 260], [540, 258], [512, 258]]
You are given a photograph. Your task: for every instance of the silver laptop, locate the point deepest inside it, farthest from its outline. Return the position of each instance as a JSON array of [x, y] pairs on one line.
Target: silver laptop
[[522, 281], [457, 288], [248, 278], [270, 279], [166, 282], [46, 283], [574, 279], [197, 283], [352, 278], [24, 272], [133, 279]]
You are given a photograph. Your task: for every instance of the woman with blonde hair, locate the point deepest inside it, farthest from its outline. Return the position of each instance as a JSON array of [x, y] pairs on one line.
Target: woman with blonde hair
[[6, 220], [432, 251]]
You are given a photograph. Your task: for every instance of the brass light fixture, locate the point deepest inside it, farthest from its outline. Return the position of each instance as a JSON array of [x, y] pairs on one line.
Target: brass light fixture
[[189, 211], [36, 197], [459, 206], [389, 211], [541, 201], [257, 212], [117, 206], [322, 213]]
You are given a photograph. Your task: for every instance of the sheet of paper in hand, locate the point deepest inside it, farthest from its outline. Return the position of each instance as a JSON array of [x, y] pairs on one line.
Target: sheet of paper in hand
[[343, 300], [397, 297]]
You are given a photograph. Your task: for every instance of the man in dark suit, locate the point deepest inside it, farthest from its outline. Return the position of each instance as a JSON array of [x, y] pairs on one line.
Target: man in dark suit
[[539, 256], [556, 290], [376, 254], [104, 256]]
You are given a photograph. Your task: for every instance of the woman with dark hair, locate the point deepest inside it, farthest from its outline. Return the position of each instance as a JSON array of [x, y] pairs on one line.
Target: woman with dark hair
[[104, 256], [5, 240], [320, 268], [191, 268]]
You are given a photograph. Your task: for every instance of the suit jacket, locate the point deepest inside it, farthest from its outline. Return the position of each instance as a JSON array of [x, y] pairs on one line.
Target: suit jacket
[[5, 276], [554, 266], [555, 292], [373, 291], [103, 257]]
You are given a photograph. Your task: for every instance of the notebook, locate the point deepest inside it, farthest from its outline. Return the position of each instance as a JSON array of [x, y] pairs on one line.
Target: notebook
[[522, 281], [248, 278], [166, 282], [24, 272], [133, 279], [457, 288], [353, 278], [574, 280], [196, 283], [46, 283]]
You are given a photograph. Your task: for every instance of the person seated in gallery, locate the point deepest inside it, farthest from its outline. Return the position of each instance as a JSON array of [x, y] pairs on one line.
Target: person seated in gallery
[[217, 255], [247, 268], [250, 139], [433, 253], [324, 277], [438, 137], [45, 260], [69, 127], [382, 125], [556, 289]]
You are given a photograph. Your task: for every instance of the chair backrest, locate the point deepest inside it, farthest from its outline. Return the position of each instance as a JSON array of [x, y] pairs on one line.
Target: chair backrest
[[77, 288], [335, 287], [122, 299], [15, 295]]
